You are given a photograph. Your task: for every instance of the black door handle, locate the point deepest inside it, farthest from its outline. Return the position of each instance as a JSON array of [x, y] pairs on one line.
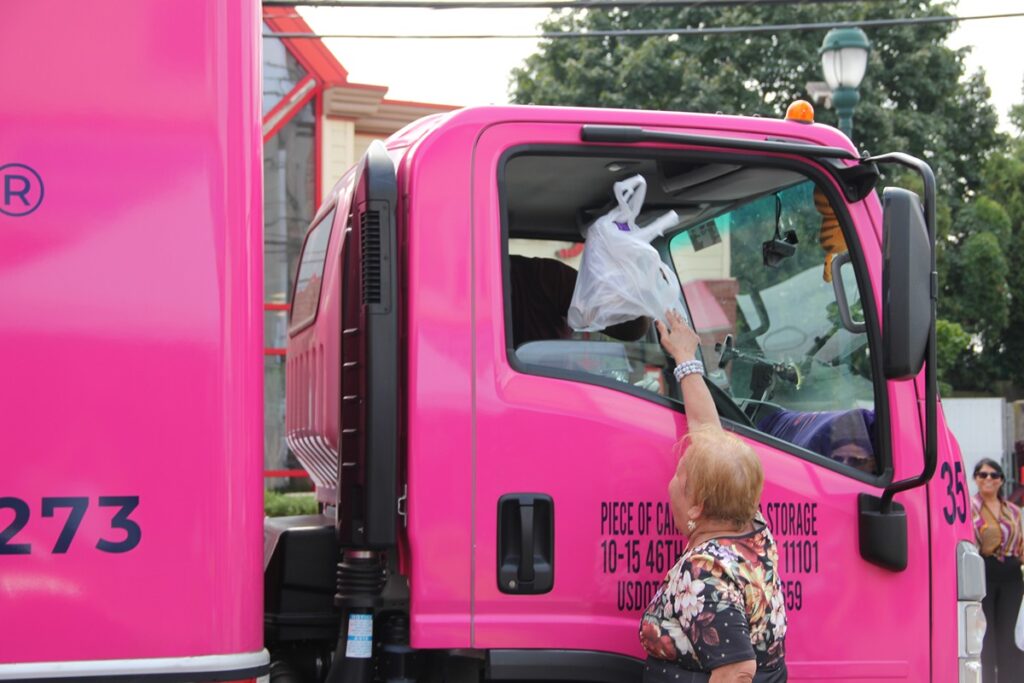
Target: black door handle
[[526, 525], [526, 573]]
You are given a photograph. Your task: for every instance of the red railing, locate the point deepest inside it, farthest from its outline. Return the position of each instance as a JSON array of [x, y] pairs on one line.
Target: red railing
[[285, 474]]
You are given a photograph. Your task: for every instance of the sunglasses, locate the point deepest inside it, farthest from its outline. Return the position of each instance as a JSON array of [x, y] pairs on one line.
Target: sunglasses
[[853, 460], [988, 475]]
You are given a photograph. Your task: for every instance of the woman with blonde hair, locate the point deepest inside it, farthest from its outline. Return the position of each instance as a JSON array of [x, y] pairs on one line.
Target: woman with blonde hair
[[719, 615]]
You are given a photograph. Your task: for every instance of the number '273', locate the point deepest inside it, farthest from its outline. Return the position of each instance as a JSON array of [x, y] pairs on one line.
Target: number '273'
[[121, 524]]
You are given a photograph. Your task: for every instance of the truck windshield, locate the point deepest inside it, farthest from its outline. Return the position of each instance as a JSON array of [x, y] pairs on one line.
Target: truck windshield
[[750, 251]]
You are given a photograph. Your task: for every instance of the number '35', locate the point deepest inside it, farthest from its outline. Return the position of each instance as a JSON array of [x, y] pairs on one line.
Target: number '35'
[[957, 492]]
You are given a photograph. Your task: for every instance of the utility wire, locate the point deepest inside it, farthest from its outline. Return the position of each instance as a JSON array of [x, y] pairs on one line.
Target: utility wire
[[707, 30], [541, 4]]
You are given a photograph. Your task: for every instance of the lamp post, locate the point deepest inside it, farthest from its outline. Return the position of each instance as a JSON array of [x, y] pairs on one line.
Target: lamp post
[[844, 59]]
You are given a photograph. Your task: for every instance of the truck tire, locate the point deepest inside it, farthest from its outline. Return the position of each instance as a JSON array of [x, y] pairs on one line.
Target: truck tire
[[283, 672]]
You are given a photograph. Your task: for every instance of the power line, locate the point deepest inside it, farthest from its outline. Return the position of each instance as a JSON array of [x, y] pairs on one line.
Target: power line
[[541, 4], [616, 33]]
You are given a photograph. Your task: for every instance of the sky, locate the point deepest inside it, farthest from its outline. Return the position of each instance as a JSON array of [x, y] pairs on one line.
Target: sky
[[470, 72]]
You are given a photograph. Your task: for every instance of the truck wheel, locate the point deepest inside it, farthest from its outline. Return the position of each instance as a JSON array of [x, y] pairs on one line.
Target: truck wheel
[[283, 672]]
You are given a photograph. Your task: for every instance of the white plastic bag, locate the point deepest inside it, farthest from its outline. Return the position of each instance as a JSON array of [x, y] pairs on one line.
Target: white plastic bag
[[621, 276], [1018, 633]]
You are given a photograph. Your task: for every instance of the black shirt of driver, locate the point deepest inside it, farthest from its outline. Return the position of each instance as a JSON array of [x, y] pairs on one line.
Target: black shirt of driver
[[541, 293]]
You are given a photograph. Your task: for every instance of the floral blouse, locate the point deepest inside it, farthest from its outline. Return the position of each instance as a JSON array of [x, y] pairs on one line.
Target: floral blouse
[[721, 603], [1011, 543]]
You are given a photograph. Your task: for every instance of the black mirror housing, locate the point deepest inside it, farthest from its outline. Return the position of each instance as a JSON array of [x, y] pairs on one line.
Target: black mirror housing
[[775, 251], [906, 284]]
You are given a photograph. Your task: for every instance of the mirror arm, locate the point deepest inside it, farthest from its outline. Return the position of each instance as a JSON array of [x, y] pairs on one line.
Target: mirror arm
[[931, 391], [839, 289]]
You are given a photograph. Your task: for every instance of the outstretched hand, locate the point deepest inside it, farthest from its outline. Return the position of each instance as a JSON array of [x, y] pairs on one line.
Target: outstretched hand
[[681, 342], [678, 339]]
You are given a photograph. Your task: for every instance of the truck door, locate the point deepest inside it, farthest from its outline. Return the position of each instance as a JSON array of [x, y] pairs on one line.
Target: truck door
[[575, 432]]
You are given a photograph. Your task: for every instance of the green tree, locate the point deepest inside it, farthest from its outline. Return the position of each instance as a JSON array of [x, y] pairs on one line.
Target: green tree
[[1013, 336], [1003, 175], [978, 276], [952, 344], [915, 96], [981, 215], [974, 290], [1003, 179]]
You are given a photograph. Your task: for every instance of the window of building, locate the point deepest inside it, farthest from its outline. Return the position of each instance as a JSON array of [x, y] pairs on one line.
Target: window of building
[[281, 71], [288, 202]]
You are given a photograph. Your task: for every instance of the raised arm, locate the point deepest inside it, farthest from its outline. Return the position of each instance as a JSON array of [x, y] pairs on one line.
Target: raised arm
[[681, 342]]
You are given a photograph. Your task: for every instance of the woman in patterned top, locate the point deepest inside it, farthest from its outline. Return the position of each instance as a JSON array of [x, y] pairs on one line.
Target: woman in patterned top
[[997, 531], [719, 615]]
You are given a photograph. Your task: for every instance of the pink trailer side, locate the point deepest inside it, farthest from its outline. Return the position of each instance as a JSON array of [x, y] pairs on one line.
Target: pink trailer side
[[131, 328]]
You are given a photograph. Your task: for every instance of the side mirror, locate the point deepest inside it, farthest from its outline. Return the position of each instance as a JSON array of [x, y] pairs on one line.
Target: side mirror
[[906, 284]]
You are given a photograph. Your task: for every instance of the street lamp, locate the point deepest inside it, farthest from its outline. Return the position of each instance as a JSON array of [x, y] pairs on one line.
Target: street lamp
[[844, 58]]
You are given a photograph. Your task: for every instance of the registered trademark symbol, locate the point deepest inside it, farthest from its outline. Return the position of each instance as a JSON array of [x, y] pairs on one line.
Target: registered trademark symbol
[[21, 190]]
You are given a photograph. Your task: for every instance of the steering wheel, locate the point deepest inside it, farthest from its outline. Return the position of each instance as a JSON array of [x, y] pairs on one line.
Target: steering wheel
[[727, 352], [787, 372]]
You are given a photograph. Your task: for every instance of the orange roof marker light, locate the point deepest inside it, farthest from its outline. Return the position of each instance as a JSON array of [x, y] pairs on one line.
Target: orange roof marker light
[[800, 111]]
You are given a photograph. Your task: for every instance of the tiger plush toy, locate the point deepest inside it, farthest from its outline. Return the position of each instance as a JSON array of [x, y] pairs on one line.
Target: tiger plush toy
[[831, 236]]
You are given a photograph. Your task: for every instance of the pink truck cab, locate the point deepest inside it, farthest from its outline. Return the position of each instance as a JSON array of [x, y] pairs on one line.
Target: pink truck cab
[[494, 497]]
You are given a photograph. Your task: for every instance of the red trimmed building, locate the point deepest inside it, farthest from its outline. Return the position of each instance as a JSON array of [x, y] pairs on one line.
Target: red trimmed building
[[316, 123]]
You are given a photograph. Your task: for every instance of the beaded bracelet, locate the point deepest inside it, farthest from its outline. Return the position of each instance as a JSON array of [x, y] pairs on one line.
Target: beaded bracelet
[[688, 367]]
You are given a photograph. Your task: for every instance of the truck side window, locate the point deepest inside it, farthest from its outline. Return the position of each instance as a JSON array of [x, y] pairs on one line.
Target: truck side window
[[757, 279], [755, 249], [306, 296], [542, 278]]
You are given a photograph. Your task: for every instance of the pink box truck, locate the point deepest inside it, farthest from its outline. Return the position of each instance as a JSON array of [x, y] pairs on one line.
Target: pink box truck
[[493, 498], [132, 322]]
